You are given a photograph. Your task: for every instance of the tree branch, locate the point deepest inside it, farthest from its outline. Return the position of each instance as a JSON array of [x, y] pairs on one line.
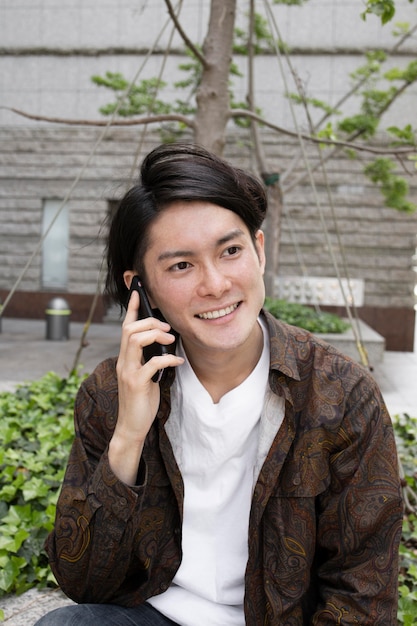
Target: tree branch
[[176, 117], [185, 38], [327, 142], [148, 119]]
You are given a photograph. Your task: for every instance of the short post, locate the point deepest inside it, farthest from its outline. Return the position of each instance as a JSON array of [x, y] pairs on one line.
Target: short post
[[57, 319]]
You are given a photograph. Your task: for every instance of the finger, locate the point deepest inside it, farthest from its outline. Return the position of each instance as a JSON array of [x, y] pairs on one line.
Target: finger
[[130, 317], [158, 364], [132, 325], [140, 334], [132, 308]]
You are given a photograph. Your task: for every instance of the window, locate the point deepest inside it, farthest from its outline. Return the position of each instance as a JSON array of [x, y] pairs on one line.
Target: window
[[55, 245]]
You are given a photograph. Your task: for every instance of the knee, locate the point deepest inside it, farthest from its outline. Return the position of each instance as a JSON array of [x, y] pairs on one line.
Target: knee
[[64, 616]]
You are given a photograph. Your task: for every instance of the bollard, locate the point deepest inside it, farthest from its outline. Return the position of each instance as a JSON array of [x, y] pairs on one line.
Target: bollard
[[57, 319]]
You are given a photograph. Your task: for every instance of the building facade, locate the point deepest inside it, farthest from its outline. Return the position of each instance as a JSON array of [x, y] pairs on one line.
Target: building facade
[[74, 174]]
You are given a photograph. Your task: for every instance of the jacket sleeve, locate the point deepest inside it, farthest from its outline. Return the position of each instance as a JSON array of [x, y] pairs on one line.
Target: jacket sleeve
[[360, 518], [90, 548]]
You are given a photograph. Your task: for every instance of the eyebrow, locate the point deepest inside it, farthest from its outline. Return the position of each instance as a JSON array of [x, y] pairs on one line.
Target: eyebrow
[[171, 254]]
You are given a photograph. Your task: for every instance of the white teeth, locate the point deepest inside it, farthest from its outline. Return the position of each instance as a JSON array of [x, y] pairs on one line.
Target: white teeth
[[211, 315]]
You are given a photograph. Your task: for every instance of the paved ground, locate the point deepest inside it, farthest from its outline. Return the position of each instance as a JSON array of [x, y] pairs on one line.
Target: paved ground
[[25, 355], [26, 609]]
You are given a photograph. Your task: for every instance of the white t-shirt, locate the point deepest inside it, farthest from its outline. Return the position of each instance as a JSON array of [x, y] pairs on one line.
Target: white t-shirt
[[215, 447]]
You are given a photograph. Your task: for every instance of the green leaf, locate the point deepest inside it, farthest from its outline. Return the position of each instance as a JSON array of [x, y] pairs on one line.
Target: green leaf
[[13, 543], [305, 317], [361, 123], [36, 431], [406, 135], [394, 188], [112, 80], [136, 99], [18, 514], [384, 9], [7, 576], [315, 102], [407, 74], [35, 488], [10, 572]]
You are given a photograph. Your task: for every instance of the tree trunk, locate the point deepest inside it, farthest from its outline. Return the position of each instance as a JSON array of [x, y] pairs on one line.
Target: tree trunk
[[212, 116], [213, 94]]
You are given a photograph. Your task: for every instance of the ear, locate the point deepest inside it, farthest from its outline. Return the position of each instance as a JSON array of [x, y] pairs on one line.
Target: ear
[[260, 248], [127, 277]]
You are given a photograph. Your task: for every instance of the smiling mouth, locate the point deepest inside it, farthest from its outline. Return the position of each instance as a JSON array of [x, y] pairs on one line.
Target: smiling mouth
[[213, 315]]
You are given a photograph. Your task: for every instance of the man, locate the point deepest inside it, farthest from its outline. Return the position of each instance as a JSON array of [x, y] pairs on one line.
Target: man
[[257, 482]]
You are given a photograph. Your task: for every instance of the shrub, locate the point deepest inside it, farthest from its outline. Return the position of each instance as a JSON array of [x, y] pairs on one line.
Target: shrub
[[405, 428], [36, 431], [305, 317]]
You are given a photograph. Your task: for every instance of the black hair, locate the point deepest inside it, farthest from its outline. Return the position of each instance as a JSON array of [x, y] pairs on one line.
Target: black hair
[[170, 173]]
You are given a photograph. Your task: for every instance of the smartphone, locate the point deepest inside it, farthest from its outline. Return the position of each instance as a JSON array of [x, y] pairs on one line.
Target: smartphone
[[145, 310]]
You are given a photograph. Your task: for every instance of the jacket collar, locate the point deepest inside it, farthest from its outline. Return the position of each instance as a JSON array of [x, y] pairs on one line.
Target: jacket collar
[[283, 352]]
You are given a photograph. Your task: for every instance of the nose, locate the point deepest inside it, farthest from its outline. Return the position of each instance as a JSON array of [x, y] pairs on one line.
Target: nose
[[213, 282]]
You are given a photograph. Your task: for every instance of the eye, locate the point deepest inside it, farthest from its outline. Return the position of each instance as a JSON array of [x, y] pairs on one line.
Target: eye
[[231, 251], [180, 266]]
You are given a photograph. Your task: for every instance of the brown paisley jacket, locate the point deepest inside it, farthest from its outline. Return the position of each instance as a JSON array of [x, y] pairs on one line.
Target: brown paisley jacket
[[326, 511]]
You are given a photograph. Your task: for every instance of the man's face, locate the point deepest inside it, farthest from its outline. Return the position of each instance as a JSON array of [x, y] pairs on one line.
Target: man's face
[[205, 273]]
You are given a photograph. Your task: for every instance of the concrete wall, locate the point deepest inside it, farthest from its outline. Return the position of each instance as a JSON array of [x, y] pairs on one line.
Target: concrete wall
[[49, 49]]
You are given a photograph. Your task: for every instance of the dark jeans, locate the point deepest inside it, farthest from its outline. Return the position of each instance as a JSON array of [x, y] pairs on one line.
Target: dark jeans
[[105, 615]]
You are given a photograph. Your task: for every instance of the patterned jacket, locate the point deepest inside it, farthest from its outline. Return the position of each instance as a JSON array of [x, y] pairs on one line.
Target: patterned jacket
[[326, 511]]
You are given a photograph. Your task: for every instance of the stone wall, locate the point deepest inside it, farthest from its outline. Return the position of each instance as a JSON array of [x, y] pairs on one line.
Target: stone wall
[[44, 162]]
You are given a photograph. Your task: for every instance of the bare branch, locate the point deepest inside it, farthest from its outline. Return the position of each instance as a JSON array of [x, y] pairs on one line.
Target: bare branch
[[403, 165], [185, 38], [176, 117], [148, 119], [327, 142]]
